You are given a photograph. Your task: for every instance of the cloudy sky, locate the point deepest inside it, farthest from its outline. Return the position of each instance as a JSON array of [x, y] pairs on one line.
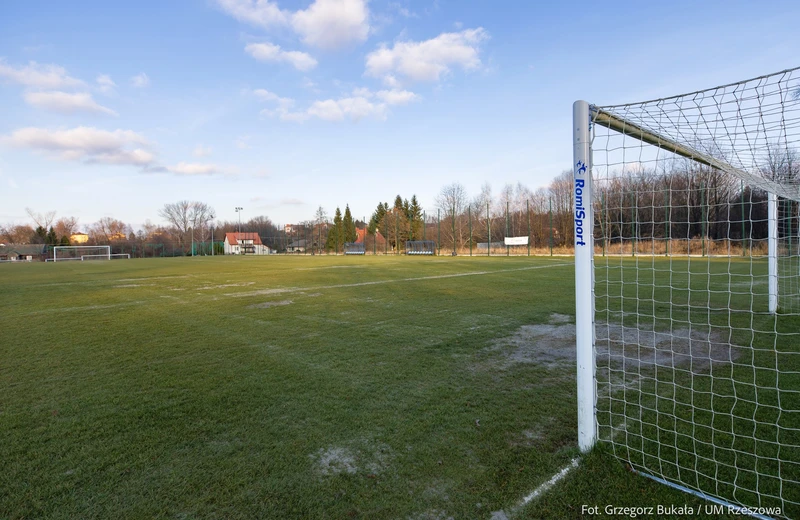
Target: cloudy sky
[[114, 108]]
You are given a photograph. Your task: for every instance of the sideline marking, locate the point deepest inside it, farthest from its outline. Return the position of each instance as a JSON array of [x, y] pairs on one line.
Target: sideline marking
[[262, 292]]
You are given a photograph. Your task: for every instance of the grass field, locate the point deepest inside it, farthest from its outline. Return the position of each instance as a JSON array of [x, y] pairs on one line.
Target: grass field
[[299, 387]]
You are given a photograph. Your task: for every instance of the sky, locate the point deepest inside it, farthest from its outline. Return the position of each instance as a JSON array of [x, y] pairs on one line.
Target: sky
[[115, 108]]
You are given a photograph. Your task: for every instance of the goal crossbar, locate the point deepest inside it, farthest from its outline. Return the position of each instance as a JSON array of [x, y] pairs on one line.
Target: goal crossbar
[[610, 120]]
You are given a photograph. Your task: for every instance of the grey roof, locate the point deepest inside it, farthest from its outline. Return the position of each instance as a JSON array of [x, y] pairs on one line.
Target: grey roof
[[22, 249]]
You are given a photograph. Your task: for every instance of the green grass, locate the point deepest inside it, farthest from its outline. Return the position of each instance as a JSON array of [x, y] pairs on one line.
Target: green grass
[[300, 387]]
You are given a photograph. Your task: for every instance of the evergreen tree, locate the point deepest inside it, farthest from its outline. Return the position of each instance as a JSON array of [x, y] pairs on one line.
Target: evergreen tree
[[39, 235], [376, 221], [336, 233], [350, 234], [51, 239], [415, 217], [64, 241]]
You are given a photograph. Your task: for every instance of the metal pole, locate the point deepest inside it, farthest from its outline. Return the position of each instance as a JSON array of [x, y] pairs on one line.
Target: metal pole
[[667, 223], [396, 234], [742, 206], [439, 231], [469, 216], [703, 217], [508, 249], [634, 217], [772, 234], [584, 275], [454, 230], [551, 219], [488, 232], [528, 213]]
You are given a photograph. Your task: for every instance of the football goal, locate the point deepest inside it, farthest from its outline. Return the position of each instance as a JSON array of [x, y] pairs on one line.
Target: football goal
[[63, 253], [420, 247], [687, 257]]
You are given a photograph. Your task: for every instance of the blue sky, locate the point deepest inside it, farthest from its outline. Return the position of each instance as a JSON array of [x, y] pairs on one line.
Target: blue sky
[[116, 108]]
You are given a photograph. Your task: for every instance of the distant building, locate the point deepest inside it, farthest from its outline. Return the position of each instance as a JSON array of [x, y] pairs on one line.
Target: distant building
[[298, 246], [22, 253], [245, 244], [78, 238]]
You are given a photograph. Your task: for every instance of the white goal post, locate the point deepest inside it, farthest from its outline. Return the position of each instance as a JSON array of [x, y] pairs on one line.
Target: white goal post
[[687, 272], [63, 253]]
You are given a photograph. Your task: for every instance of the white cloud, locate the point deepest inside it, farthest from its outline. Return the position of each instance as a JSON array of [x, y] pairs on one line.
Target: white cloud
[[332, 24], [105, 84], [261, 13], [38, 76], [326, 24], [427, 60], [396, 97], [274, 53], [184, 168], [66, 103], [361, 104], [202, 151], [242, 142], [140, 80], [266, 95], [86, 144]]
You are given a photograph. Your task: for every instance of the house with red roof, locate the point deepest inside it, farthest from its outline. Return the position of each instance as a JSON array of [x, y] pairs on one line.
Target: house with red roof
[[245, 244]]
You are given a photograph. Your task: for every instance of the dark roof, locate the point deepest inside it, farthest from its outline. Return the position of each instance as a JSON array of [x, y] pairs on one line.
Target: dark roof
[[22, 249]]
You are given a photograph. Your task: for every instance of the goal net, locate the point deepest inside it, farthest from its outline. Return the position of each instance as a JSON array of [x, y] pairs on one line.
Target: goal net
[[420, 247], [687, 248], [63, 253]]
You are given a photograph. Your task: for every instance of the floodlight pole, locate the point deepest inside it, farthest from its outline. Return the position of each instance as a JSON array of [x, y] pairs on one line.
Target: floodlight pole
[[508, 249], [488, 232], [584, 274]]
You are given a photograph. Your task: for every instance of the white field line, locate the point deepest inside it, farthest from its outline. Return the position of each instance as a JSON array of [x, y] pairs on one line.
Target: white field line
[[262, 292], [76, 309], [539, 491]]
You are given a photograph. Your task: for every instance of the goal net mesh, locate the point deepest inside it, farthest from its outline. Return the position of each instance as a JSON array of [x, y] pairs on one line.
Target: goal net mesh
[[697, 378], [81, 253]]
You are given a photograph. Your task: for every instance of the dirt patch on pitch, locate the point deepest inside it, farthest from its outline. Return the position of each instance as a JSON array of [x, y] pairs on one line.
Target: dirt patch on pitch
[[552, 345], [365, 457], [267, 305]]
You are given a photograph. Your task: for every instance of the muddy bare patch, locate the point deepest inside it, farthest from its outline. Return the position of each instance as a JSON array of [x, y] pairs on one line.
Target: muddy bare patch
[[552, 345], [358, 457], [267, 305], [635, 348]]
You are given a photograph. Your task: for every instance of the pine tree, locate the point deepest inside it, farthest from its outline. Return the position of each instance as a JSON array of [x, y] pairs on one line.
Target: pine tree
[[376, 221], [338, 230], [415, 216], [51, 239], [350, 234], [335, 233]]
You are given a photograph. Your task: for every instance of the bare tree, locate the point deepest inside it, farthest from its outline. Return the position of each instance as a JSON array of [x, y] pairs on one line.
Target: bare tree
[[452, 201], [107, 229], [16, 234], [66, 227], [44, 220], [185, 215]]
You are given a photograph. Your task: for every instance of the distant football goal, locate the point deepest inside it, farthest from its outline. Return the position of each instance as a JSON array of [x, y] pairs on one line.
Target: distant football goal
[[420, 247], [71, 253], [687, 272]]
